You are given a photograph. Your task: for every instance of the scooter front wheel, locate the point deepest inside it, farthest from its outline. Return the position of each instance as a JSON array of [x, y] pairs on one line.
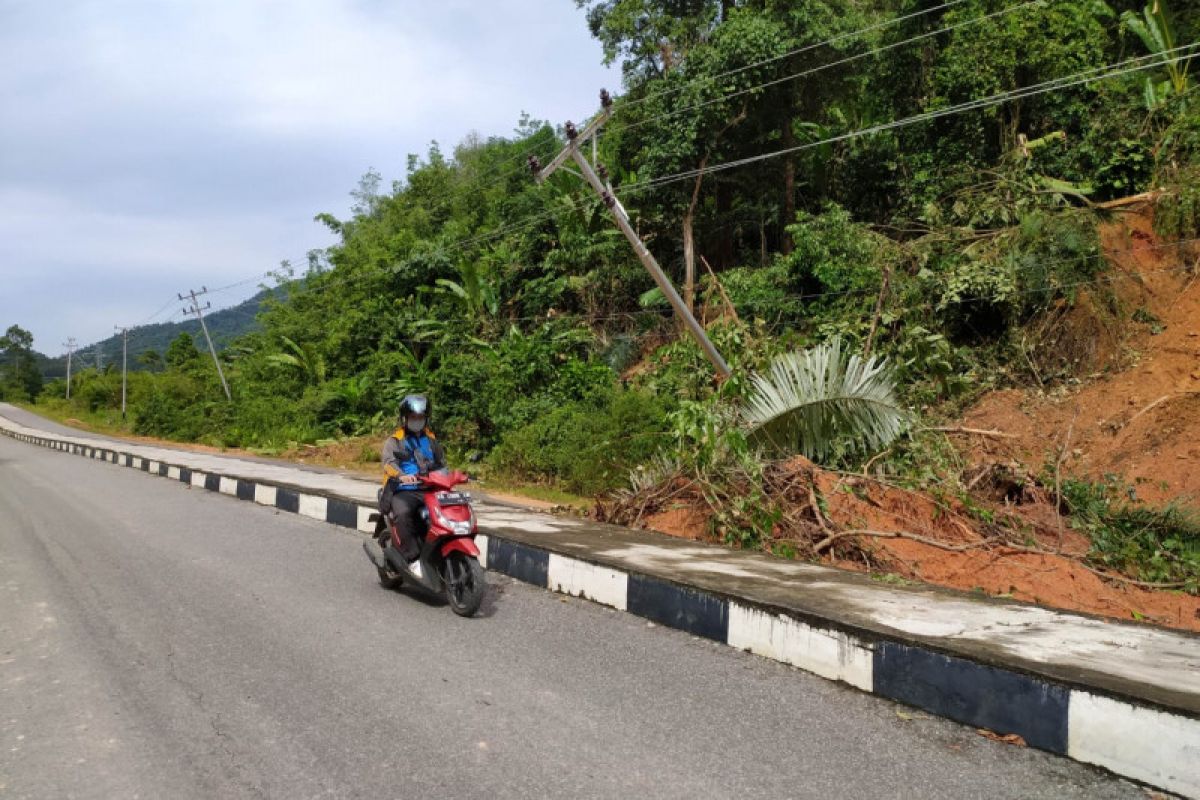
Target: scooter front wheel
[[465, 584]]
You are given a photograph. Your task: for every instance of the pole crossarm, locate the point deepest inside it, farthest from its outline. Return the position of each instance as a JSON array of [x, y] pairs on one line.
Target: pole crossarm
[[588, 132]]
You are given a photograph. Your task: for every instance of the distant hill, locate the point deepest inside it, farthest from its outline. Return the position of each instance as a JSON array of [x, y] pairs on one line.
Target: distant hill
[[224, 326]]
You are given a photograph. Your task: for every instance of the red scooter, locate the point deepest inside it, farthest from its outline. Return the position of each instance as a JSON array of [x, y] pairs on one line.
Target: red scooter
[[448, 564]]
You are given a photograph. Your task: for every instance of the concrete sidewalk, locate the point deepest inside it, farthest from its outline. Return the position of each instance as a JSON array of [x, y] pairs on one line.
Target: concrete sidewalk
[[1120, 695]]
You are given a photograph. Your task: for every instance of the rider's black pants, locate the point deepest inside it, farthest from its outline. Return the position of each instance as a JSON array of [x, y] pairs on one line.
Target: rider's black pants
[[405, 505]]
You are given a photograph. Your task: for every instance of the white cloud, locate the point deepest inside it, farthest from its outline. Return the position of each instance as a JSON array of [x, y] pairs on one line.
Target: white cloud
[[40, 230]]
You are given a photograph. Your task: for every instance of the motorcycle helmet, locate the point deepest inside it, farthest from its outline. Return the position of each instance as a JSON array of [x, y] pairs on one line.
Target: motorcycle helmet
[[415, 405]]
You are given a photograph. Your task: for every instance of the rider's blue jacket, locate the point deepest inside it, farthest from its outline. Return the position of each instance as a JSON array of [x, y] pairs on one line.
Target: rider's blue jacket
[[406, 453]]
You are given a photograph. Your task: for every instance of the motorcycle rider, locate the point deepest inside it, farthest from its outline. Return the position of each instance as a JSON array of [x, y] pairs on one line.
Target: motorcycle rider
[[408, 454]]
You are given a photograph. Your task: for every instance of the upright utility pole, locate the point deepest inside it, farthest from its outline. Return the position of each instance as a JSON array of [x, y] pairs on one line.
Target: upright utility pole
[[70, 345], [575, 140], [124, 362], [199, 312]]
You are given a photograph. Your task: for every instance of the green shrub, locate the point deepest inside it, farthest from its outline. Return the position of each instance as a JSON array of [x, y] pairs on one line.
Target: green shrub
[[171, 408], [586, 446], [1177, 213], [265, 421], [98, 390], [1156, 544], [986, 287], [763, 293]]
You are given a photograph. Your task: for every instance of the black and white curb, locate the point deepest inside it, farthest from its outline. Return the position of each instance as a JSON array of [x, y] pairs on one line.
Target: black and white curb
[[1157, 745]]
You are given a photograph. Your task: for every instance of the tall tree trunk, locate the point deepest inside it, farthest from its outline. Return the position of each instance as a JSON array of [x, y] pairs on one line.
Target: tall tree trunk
[[762, 241], [789, 187], [724, 248], [689, 261], [689, 240], [724, 202]]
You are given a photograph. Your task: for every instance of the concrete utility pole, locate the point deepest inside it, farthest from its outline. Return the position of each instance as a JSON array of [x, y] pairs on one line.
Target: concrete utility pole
[[124, 362], [199, 312], [576, 139], [70, 345]]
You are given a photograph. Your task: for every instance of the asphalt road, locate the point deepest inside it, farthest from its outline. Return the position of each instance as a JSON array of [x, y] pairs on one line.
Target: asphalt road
[[163, 642]]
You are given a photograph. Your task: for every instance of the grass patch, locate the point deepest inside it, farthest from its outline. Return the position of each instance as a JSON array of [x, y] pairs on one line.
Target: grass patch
[[107, 421], [541, 493]]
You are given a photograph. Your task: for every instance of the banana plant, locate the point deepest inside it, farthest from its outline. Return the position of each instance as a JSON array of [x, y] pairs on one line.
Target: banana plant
[[476, 290], [1157, 33], [304, 360]]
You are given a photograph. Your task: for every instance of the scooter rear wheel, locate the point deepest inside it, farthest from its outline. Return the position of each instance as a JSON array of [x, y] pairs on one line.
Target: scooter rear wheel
[[465, 584]]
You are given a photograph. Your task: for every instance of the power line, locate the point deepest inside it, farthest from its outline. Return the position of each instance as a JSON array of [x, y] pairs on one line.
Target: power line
[[161, 309], [798, 51], [452, 195], [505, 173], [1090, 75], [448, 197], [521, 157], [1100, 253], [837, 63], [243, 282]]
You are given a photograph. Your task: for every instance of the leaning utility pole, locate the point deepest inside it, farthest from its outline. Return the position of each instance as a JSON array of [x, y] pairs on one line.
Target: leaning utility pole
[[124, 362], [70, 345], [576, 139], [199, 312]]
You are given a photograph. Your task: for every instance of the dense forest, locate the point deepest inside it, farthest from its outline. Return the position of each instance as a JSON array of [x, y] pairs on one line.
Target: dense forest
[[899, 195]]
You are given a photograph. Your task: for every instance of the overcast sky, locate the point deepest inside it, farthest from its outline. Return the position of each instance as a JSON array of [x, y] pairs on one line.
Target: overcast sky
[[152, 146]]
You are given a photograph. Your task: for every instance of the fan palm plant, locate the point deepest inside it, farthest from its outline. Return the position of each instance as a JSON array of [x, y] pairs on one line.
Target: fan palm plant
[[815, 400]]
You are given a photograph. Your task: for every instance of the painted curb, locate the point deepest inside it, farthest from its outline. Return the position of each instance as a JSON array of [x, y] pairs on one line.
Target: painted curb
[[1153, 745]]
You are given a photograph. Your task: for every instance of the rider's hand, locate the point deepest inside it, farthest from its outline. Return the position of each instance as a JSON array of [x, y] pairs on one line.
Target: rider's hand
[[408, 480]]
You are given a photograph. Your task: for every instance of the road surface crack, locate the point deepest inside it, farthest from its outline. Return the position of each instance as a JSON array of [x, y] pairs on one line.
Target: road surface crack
[[223, 740]]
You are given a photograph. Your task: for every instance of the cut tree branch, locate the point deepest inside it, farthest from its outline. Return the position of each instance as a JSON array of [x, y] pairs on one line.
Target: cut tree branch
[[971, 431]]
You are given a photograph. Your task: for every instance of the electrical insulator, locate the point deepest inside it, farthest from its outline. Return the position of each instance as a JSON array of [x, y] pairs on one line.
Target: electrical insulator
[[602, 171], [535, 166], [605, 98], [570, 130]]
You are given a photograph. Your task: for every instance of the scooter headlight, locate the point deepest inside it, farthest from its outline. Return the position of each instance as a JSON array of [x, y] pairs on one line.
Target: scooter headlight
[[457, 526]]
